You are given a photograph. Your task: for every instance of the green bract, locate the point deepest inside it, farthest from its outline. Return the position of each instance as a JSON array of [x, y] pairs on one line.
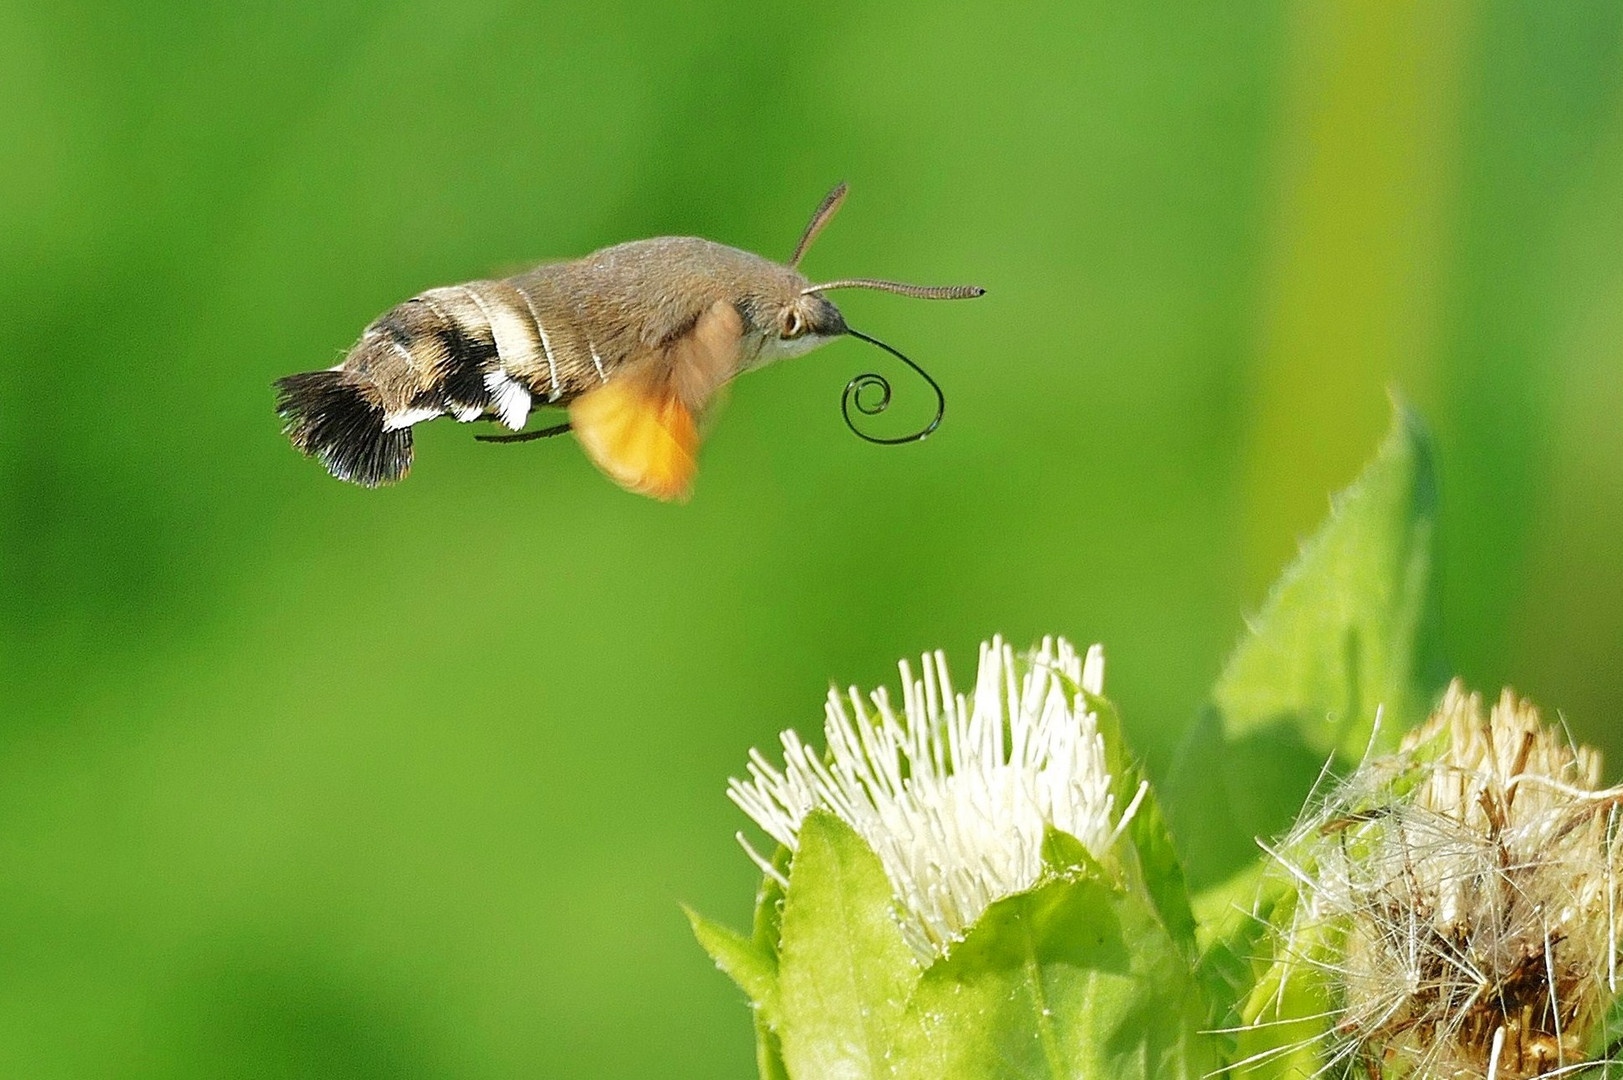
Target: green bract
[[1076, 977]]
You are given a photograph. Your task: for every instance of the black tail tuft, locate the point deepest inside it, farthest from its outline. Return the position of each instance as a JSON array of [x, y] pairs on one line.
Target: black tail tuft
[[329, 416]]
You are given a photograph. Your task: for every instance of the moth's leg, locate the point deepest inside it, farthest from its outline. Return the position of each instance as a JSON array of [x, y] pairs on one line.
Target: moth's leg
[[526, 436]]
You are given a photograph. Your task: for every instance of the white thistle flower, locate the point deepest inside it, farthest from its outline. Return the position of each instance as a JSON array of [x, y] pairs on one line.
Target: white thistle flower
[[954, 795], [1458, 901]]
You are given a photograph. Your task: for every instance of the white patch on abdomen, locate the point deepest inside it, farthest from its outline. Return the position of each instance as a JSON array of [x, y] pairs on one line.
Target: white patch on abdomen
[[509, 400], [515, 343], [405, 418]]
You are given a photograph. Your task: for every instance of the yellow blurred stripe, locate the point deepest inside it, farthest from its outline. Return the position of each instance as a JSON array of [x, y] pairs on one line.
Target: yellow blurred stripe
[[1364, 188]]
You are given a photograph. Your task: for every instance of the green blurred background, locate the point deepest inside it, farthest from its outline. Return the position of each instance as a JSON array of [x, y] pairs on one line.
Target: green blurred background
[[298, 779]]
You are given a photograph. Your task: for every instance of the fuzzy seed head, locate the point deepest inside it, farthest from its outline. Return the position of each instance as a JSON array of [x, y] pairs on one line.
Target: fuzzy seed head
[[1457, 900]]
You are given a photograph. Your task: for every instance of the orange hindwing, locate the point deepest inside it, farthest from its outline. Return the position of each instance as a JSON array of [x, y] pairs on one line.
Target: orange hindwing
[[641, 426]]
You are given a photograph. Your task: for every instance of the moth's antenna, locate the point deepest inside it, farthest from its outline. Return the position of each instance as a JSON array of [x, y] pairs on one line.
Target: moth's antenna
[[923, 292], [874, 380], [821, 216]]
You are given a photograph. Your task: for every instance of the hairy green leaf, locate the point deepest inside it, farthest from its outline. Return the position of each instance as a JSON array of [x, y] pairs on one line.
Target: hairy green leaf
[[755, 972], [1158, 865], [1235, 944], [1066, 856], [768, 925], [844, 971], [1073, 979], [1351, 627]]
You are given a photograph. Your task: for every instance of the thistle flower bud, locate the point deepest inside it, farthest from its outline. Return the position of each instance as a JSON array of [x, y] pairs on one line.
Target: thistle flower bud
[[953, 794], [968, 886], [1456, 904]]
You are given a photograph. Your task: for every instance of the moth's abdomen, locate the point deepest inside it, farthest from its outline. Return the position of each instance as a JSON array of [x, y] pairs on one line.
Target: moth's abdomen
[[489, 346], [337, 418], [486, 347], [568, 362]]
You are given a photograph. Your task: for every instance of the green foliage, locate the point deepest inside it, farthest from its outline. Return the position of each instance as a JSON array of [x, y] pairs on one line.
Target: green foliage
[[1157, 864], [1293, 1013], [1352, 625], [1234, 945], [753, 969], [1090, 970], [1607, 1043], [767, 929], [845, 972], [1102, 969], [1077, 977], [303, 780], [1351, 628]]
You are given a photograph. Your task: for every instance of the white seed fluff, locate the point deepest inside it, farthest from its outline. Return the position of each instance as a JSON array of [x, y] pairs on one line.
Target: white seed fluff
[[1457, 901], [955, 794]]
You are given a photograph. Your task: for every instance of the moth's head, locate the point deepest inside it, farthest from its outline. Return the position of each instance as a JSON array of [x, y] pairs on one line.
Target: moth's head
[[797, 317], [788, 316], [799, 323]]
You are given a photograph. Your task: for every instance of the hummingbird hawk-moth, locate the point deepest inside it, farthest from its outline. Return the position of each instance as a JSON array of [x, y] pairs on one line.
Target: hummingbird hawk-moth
[[634, 340]]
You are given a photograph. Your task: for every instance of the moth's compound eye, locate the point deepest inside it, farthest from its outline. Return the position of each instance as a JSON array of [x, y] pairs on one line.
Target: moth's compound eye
[[793, 325]]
